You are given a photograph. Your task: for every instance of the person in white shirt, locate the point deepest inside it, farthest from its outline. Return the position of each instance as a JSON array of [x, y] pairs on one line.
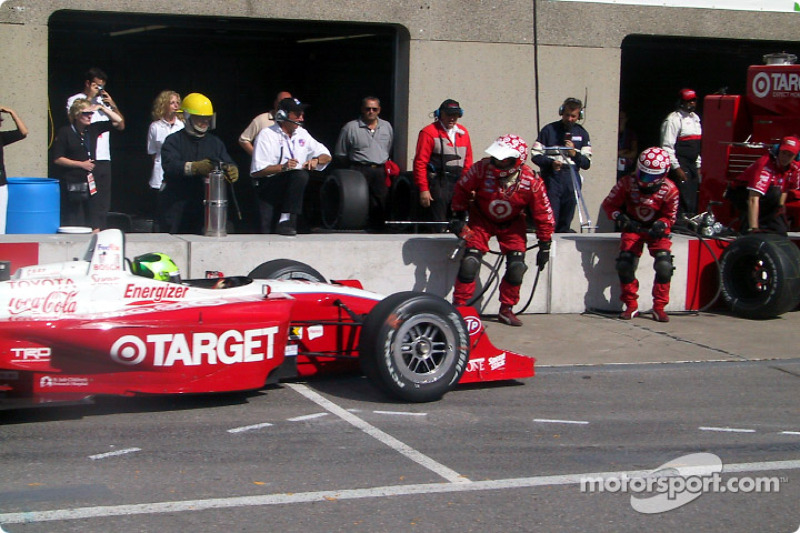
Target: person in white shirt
[[166, 120], [283, 155]]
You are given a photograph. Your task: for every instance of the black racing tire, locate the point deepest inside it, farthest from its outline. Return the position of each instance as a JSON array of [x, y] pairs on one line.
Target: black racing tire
[[404, 198], [761, 275], [286, 269], [414, 346], [344, 200]]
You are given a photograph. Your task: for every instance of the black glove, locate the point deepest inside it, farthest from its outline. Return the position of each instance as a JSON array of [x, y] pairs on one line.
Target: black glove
[[202, 168], [543, 255], [458, 223], [658, 230], [231, 172], [626, 223]]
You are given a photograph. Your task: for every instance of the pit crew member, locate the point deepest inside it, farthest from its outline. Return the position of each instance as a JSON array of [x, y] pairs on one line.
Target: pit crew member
[[681, 134], [760, 192], [495, 193], [444, 154], [644, 205], [555, 168], [188, 156]]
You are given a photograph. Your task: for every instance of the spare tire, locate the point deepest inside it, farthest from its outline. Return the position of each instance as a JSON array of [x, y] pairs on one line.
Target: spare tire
[[404, 198], [761, 275], [344, 200], [414, 346], [286, 269]]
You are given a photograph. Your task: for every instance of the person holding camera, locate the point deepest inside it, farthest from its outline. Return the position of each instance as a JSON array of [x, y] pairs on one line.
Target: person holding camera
[[555, 168], [8, 137], [444, 154], [85, 184]]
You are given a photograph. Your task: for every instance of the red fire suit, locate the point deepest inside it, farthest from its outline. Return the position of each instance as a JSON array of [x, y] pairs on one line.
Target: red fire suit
[[626, 197], [500, 212]]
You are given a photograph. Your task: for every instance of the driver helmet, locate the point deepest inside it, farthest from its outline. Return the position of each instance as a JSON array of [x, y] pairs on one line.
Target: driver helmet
[[651, 169], [508, 145], [158, 266], [198, 105]]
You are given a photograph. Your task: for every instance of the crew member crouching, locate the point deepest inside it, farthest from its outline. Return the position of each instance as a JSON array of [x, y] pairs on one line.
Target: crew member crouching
[[645, 206], [495, 192]]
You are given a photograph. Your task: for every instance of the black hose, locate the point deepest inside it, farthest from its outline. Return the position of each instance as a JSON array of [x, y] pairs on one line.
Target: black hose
[[495, 276]]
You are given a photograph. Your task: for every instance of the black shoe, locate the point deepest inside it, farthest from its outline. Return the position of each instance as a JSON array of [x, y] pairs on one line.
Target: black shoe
[[287, 227]]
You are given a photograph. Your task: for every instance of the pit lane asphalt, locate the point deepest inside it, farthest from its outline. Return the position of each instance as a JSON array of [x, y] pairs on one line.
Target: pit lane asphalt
[[336, 455]]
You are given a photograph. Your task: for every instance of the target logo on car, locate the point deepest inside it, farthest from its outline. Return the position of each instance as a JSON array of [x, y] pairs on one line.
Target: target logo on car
[[168, 349]]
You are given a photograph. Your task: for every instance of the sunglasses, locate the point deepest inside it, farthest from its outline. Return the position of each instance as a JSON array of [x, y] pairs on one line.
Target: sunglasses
[[372, 109], [87, 113]]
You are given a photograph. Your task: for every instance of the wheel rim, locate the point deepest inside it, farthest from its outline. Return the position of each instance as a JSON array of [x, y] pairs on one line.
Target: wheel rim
[[752, 277], [424, 348]]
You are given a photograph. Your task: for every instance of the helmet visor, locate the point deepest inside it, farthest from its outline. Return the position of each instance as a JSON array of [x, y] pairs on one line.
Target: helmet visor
[[649, 179]]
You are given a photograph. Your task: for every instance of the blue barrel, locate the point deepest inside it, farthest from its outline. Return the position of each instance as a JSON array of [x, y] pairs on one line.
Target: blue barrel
[[33, 205]]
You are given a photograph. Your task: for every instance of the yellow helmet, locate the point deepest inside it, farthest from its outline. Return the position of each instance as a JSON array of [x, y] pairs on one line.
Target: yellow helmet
[[197, 104]]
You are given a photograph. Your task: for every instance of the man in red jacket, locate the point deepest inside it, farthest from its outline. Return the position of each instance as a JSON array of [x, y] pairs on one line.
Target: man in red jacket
[[444, 154], [645, 206], [495, 193]]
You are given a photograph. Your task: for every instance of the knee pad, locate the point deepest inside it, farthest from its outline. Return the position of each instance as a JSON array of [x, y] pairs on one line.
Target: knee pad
[[470, 266], [662, 264], [515, 268], [626, 266]]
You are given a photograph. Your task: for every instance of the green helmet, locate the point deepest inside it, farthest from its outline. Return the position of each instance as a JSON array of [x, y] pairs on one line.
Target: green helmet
[[156, 265]]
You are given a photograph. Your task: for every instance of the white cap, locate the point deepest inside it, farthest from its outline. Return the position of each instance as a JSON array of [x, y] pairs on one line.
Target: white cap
[[500, 150]]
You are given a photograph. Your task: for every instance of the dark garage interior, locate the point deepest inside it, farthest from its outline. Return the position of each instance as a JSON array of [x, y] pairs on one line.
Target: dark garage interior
[[240, 64]]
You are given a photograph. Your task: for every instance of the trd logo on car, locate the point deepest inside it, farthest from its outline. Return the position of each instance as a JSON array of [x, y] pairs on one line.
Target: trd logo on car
[[31, 355], [167, 349]]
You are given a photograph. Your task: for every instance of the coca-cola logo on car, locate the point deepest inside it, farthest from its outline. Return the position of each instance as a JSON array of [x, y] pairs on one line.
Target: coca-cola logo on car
[[54, 303]]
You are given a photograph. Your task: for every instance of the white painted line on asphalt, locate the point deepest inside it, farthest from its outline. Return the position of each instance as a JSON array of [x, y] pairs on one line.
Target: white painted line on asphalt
[[242, 429], [790, 432], [399, 413], [82, 513], [114, 453], [306, 417], [556, 421], [726, 430], [418, 457]]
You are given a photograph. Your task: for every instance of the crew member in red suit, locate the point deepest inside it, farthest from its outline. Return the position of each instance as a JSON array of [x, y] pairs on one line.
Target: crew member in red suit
[[645, 205], [494, 193], [760, 192], [444, 154]]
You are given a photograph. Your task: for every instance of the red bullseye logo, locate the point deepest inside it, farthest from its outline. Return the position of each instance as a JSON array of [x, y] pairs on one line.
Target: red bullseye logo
[[500, 208], [128, 350], [761, 85]]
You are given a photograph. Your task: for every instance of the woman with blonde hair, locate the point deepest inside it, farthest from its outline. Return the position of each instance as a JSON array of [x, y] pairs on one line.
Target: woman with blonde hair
[[85, 193], [166, 120]]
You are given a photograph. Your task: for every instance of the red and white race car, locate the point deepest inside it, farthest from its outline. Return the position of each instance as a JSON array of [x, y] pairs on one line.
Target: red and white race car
[[73, 330]]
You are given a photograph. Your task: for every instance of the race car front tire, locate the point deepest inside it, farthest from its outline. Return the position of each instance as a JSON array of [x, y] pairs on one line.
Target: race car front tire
[[414, 346], [286, 269], [761, 275]]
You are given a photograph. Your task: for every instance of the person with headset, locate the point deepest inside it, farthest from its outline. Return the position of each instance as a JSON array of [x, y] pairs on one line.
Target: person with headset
[[365, 145], [187, 157], [681, 133], [443, 155], [568, 134], [759, 193], [644, 205], [495, 193], [283, 156]]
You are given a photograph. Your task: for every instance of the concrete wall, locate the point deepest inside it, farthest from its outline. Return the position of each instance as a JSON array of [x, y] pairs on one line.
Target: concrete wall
[[580, 275], [481, 53]]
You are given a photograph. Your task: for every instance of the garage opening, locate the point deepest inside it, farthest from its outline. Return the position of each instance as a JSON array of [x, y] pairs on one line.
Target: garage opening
[[240, 64], [654, 69]]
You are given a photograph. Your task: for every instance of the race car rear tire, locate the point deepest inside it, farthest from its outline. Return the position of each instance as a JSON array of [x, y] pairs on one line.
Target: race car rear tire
[[761, 275], [344, 200], [286, 269], [414, 346]]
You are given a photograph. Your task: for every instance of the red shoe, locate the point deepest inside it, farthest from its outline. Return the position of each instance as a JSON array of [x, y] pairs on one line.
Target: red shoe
[[507, 316], [659, 315], [629, 312]]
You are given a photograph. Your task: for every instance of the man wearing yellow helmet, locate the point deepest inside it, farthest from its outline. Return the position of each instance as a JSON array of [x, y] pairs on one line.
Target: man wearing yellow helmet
[[187, 157]]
